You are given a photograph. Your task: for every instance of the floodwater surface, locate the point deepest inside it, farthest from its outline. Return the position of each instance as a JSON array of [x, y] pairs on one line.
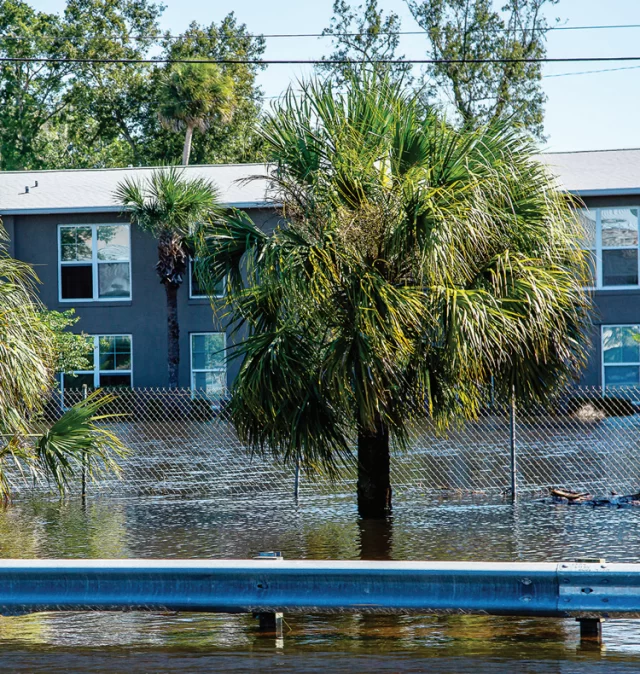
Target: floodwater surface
[[322, 528]]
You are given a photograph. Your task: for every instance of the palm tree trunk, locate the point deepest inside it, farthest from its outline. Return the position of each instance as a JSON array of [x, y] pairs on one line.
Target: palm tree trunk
[[374, 480], [173, 333], [186, 150]]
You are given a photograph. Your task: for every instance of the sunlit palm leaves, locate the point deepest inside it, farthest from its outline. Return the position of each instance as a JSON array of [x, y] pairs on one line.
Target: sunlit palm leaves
[[414, 263], [27, 366]]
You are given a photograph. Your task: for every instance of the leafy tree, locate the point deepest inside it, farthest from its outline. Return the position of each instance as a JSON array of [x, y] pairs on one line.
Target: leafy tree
[[29, 357], [194, 96], [71, 348], [417, 261], [169, 206], [236, 140], [466, 30], [31, 94], [363, 34]]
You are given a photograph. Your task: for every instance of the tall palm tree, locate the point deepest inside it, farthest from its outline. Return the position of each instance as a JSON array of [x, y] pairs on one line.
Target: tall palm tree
[[169, 207], [28, 363], [415, 262], [193, 96]]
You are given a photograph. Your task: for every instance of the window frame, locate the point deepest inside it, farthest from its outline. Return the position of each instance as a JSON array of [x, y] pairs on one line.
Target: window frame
[[96, 372], [604, 365], [193, 371], [94, 263], [597, 210], [199, 297]]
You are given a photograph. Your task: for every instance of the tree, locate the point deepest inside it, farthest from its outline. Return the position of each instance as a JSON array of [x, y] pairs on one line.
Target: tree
[[417, 261], [363, 34], [463, 31], [193, 96], [169, 207], [29, 358]]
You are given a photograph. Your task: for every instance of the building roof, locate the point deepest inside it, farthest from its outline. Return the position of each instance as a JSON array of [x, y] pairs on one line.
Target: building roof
[[590, 173], [598, 172], [87, 190]]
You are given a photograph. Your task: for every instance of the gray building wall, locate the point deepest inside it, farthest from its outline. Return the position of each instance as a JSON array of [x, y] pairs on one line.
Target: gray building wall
[[33, 239]]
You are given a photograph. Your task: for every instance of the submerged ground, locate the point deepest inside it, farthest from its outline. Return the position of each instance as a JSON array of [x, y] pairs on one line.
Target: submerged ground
[[323, 528]]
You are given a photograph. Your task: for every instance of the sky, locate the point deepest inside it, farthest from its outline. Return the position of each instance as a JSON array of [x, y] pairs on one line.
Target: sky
[[583, 111]]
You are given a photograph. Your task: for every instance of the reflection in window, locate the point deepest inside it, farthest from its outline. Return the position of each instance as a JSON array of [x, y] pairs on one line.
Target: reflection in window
[[195, 290], [110, 364], [208, 366], [621, 355], [94, 262]]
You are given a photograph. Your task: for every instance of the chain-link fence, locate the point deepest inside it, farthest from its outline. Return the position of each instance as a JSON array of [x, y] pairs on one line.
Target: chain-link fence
[[185, 445]]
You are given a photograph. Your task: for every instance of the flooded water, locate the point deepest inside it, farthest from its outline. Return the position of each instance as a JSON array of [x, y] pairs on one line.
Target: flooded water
[[323, 528]]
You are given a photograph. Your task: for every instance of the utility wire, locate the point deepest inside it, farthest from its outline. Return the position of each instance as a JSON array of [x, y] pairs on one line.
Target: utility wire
[[269, 36], [265, 62]]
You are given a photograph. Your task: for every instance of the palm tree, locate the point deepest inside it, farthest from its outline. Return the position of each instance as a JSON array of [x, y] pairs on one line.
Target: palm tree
[[193, 96], [28, 362], [417, 261], [169, 207]]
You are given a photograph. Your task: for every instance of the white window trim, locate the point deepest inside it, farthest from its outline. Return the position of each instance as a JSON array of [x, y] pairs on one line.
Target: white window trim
[[96, 372], [599, 248], [626, 363], [199, 370], [198, 297], [94, 264]]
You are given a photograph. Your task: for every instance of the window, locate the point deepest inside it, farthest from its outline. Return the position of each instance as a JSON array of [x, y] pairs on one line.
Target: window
[[195, 291], [95, 262], [208, 368], [612, 240], [110, 364], [620, 356]]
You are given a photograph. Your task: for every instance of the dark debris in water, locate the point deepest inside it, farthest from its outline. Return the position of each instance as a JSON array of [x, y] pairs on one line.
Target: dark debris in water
[[569, 497]]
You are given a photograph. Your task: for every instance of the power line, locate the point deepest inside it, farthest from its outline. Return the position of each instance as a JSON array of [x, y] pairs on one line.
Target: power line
[[592, 72], [265, 62], [269, 36]]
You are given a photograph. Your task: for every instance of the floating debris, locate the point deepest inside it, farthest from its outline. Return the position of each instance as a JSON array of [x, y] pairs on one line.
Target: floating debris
[[567, 496]]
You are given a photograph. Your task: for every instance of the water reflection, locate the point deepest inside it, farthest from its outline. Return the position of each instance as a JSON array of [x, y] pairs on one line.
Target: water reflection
[[320, 529]]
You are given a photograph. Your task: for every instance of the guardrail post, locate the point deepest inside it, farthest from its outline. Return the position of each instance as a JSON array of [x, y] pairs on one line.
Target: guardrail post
[[591, 629], [270, 622]]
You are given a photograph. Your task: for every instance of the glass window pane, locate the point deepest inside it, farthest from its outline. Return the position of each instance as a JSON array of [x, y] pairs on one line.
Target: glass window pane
[[77, 282], [107, 344], [620, 267], [115, 380], [68, 253], [114, 280], [210, 382], [587, 219], [207, 351], [123, 361], [591, 261], [619, 226], [68, 235], [107, 361], [616, 376], [123, 344], [113, 242], [621, 344], [76, 381]]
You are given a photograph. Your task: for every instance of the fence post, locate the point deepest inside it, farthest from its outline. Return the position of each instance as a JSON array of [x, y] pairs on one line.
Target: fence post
[[296, 482], [84, 456], [514, 467]]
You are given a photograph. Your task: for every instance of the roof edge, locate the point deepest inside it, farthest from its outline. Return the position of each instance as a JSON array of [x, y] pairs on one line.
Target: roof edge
[[119, 209]]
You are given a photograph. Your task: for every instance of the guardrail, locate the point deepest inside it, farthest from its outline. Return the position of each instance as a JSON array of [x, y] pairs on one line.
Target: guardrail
[[269, 586]]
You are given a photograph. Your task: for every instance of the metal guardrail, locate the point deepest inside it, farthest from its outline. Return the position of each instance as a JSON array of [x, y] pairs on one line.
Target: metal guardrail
[[566, 589]]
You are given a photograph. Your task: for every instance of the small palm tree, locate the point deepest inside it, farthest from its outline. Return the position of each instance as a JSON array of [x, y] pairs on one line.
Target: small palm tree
[[193, 96], [28, 363], [169, 207], [416, 263]]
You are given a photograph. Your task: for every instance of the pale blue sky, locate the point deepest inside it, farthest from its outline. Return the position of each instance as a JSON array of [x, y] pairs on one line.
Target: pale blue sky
[[584, 112]]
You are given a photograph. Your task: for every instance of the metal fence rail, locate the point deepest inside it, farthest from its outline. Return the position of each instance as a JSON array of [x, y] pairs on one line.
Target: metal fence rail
[[564, 589], [185, 445]]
